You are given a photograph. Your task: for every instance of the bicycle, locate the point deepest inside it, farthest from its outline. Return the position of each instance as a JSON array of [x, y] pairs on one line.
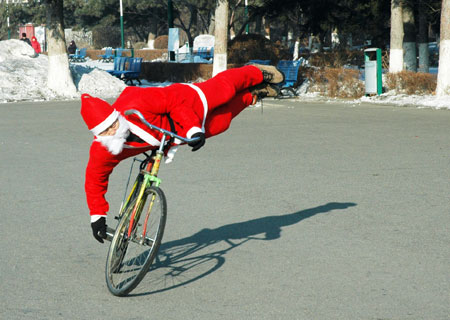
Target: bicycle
[[142, 218]]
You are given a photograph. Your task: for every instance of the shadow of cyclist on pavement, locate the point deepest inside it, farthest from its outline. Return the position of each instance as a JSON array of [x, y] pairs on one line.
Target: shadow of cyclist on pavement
[[179, 258]]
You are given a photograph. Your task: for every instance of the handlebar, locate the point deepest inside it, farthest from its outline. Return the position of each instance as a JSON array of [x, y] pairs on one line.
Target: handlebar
[[151, 126]]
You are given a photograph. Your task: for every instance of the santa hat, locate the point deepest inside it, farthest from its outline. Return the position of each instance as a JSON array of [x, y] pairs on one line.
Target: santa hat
[[97, 114]]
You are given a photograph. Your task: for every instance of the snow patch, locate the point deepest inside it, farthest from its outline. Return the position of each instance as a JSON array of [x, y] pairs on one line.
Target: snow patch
[[23, 76]]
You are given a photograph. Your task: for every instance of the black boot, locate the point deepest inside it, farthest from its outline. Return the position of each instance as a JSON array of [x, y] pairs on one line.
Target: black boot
[[271, 74], [264, 90]]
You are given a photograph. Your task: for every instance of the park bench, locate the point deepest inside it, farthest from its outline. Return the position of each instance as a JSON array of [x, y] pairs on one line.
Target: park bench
[[71, 56], [80, 55], [127, 69], [118, 52], [205, 53], [119, 65], [133, 71], [108, 56], [290, 70]]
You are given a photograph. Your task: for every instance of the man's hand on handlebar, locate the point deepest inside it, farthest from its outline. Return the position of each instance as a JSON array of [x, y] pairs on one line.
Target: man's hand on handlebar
[[99, 229], [197, 144]]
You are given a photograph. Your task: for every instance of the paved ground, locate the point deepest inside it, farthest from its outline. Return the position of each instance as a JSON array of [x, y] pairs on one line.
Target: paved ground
[[304, 211]]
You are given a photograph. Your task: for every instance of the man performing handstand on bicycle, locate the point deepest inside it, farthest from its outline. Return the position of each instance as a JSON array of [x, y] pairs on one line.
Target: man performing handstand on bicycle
[[198, 110]]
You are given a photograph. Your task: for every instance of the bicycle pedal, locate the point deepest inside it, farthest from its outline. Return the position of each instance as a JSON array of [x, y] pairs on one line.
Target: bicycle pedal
[[117, 217]]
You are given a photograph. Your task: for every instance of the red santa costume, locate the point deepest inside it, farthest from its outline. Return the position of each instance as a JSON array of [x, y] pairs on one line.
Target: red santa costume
[[206, 107]]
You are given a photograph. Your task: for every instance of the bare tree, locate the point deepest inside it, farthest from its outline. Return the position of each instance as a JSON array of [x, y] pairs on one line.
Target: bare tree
[[59, 76], [221, 37], [396, 49], [409, 38], [443, 82], [424, 56]]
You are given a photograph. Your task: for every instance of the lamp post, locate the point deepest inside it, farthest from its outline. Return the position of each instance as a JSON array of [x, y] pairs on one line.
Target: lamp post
[[121, 24], [170, 23], [7, 19], [246, 16]]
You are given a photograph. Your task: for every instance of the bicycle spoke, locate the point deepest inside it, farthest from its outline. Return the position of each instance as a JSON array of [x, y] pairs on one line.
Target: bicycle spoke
[[130, 257]]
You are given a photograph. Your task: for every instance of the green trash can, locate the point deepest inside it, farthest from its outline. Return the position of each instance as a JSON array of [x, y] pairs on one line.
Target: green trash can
[[373, 71]]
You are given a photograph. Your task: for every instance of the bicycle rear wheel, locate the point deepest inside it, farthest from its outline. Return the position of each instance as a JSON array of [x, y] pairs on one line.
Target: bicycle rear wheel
[[130, 257]]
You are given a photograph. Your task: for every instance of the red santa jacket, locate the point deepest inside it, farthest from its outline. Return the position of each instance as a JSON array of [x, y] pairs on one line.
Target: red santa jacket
[[183, 103], [221, 98]]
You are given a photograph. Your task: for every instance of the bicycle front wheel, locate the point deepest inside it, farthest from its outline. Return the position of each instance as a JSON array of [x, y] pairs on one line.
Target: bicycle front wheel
[[130, 256]]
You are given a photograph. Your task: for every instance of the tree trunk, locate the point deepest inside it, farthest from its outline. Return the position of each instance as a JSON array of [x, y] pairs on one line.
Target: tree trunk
[[212, 24], [396, 49], [221, 37], [266, 28], [409, 40], [59, 76], [424, 61], [258, 24], [232, 20], [443, 82]]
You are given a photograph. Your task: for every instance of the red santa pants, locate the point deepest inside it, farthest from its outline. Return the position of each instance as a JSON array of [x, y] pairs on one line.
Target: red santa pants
[[227, 95]]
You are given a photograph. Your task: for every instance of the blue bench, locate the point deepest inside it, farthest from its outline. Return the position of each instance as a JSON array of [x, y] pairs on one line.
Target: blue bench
[[71, 56], [290, 70], [118, 52], [119, 66], [204, 53], [127, 69], [133, 72], [80, 55], [108, 56]]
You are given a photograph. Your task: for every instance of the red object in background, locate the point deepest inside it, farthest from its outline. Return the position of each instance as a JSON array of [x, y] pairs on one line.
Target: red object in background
[[28, 29]]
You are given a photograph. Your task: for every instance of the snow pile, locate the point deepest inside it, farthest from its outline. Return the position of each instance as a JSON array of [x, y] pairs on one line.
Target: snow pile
[[23, 76], [423, 101], [96, 82]]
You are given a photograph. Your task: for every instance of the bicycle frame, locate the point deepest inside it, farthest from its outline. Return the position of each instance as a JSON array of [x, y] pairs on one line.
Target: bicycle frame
[[149, 175]]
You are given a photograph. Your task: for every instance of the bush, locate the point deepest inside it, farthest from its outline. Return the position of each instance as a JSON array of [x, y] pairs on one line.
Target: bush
[[411, 82], [161, 42], [247, 47], [337, 58], [335, 82], [140, 45]]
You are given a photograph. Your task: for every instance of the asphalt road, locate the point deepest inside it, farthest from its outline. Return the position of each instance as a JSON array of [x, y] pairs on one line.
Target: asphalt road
[[304, 211]]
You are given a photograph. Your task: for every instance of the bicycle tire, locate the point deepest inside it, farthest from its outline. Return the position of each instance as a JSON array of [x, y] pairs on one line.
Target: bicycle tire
[[128, 261]]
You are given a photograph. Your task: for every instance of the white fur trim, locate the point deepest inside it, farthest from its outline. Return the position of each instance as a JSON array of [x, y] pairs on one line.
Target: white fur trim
[[144, 135], [95, 217], [193, 131], [102, 126], [204, 101]]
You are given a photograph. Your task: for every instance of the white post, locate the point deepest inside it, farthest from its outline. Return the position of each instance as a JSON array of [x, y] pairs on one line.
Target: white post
[[121, 26], [7, 19], [221, 37]]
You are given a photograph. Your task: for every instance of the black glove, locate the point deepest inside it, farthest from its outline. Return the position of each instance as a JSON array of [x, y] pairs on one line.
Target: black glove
[[198, 143], [99, 229]]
